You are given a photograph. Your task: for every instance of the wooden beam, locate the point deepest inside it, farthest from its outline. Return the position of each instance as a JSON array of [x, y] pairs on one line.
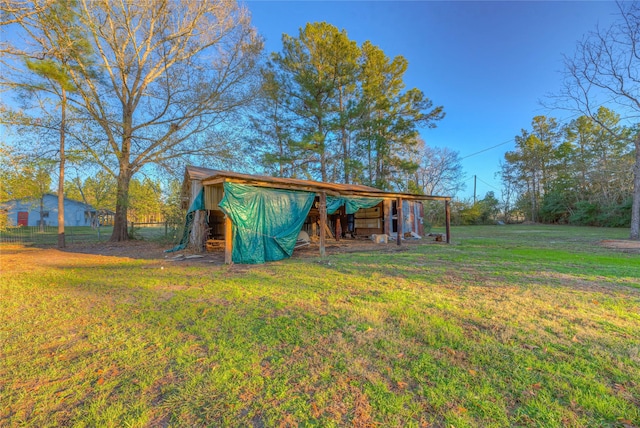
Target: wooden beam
[[323, 222], [421, 220], [327, 231], [447, 220], [271, 185], [399, 221], [228, 241], [317, 187]]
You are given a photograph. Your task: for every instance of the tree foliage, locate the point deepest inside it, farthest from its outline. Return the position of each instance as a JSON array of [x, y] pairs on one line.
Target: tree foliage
[[439, 171], [163, 77], [605, 69], [27, 179], [579, 173], [98, 190], [146, 200], [534, 157], [335, 111], [60, 41]]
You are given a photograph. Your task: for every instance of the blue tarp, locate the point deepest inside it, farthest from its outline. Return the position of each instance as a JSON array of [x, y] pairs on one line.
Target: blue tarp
[[266, 222], [351, 204], [198, 204]]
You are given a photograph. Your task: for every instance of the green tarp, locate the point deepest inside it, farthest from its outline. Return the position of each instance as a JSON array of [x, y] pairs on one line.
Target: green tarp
[[351, 204], [198, 204], [266, 222]]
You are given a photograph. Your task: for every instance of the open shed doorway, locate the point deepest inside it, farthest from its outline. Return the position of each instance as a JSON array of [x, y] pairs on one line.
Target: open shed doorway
[[362, 224], [413, 218]]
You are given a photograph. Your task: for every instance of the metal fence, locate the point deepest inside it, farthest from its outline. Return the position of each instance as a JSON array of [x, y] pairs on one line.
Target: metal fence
[[167, 232], [48, 235]]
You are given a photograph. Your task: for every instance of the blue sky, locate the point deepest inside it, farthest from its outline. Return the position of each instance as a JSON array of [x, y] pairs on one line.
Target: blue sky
[[487, 63]]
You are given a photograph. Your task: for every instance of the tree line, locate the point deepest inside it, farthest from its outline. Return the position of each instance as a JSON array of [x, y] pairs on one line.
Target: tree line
[[138, 87], [148, 198], [334, 111], [130, 86], [134, 87], [578, 173]]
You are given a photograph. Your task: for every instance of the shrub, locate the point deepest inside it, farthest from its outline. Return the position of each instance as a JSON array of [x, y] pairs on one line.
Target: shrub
[[4, 220], [555, 208], [616, 215], [585, 214]]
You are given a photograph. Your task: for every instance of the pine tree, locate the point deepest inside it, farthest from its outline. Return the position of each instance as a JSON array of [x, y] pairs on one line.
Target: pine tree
[[62, 45], [392, 117]]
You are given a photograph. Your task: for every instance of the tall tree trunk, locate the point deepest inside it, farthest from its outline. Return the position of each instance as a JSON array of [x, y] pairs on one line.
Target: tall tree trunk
[[120, 223], [583, 172], [323, 152], [369, 162], [534, 207], [63, 118], [635, 206], [345, 146], [280, 156]]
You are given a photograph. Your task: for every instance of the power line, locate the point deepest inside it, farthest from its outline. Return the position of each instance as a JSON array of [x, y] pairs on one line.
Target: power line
[[490, 185], [488, 148], [561, 121]]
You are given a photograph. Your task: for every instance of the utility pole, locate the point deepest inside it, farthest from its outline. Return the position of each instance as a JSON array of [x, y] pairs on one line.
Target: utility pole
[[474, 189]]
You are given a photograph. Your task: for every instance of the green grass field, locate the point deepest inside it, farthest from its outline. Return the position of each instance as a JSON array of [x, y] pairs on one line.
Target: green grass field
[[508, 326]]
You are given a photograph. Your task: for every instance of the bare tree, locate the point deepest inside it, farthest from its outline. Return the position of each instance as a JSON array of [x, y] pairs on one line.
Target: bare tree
[[163, 76], [16, 11], [605, 70], [440, 171]]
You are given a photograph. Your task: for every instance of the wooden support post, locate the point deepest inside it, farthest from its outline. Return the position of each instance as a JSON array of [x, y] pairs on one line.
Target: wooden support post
[[387, 206], [338, 229], [400, 221], [421, 219], [447, 219], [323, 222], [228, 241]]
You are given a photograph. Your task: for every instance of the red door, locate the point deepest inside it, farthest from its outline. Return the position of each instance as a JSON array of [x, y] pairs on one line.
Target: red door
[[23, 218]]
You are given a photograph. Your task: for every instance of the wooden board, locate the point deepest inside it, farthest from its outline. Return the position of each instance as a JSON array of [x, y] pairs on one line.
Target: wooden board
[[328, 231], [368, 231], [215, 245]]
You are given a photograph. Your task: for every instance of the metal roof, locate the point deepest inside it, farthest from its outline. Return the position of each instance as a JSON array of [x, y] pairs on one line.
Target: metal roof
[[212, 177]]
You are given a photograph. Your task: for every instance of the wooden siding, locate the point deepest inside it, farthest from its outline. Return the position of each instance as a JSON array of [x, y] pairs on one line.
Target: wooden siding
[[212, 197]]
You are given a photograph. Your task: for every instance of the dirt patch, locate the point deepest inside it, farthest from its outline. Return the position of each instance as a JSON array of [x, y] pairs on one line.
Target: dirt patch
[[20, 258], [130, 249], [357, 245], [142, 250], [625, 245]]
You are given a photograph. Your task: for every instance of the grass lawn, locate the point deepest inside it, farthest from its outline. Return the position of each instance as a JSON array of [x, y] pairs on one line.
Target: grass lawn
[[508, 326]]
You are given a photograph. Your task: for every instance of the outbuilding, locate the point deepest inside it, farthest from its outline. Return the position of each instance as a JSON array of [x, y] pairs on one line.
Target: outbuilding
[[259, 218], [44, 212]]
